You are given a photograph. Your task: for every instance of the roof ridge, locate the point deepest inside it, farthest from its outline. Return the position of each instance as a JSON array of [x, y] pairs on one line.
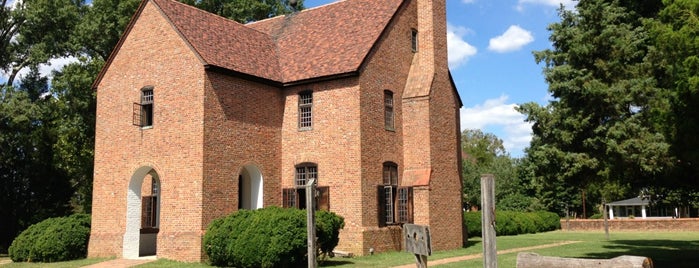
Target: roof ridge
[[197, 10], [294, 13]]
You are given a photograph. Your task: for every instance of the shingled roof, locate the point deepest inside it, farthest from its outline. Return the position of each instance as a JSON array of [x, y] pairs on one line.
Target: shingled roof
[[319, 42]]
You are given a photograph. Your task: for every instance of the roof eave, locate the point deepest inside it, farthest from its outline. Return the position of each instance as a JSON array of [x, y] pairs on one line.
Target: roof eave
[[246, 76]]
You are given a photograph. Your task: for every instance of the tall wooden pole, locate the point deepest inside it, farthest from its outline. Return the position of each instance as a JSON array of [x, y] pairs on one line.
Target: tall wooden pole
[[311, 222], [490, 255], [606, 223]]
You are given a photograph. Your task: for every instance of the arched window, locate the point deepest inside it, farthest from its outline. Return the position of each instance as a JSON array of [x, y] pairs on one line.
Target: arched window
[[395, 202], [296, 197]]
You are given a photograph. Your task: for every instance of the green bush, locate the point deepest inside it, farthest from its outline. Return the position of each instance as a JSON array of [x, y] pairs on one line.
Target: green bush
[[473, 223], [596, 216], [514, 223], [53, 240], [269, 237]]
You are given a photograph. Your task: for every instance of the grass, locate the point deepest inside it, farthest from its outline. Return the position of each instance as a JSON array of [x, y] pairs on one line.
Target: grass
[[65, 264], [666, 249]]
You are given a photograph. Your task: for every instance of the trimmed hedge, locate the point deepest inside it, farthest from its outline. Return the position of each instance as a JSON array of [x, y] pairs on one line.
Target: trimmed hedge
[[268, 237], [53, 240], [514, 223]]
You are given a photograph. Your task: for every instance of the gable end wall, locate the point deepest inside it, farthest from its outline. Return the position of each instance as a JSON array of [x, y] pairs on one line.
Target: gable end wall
[[152, 54]]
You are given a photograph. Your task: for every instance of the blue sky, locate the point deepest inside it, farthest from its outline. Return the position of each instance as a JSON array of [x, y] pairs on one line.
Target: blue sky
[[490, 57]]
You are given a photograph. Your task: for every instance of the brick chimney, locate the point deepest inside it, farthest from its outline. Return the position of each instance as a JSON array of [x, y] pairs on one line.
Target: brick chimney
[[429, 63]]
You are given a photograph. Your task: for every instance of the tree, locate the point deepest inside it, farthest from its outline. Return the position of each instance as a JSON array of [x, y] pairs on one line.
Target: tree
[[75, 129], [245, 11], [605, 124], [32, 187], [36, 31], [485, 154], [676, 64], [101, 27]]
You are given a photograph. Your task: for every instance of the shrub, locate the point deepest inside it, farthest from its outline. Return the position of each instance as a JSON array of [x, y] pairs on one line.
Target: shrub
[[596, 216], [53, 240], [269, 237], [514, 223], [473, 223]]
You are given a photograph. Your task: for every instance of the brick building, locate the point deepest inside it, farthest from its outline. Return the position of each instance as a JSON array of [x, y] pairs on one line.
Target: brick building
[[199, 116]]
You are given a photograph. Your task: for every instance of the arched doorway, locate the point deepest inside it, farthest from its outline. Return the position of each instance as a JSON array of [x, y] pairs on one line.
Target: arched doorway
[[142, 214], [250, 188]]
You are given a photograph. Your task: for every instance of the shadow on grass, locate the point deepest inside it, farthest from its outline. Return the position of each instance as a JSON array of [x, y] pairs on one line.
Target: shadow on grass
[[664, 253], [335, 262]]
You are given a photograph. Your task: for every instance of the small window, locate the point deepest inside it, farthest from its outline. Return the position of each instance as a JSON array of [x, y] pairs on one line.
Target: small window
[[306, 110], [413, 40], [143, 111], [296, 197], [395, 203], [388, 110]]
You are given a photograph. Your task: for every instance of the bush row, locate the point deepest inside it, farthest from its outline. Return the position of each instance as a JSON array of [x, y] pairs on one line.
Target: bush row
[[514, 223], [53, 240], [269, 237]]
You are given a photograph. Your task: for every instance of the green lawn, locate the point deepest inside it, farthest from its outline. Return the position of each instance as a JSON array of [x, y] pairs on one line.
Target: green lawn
[[666, 249], [67, 264]]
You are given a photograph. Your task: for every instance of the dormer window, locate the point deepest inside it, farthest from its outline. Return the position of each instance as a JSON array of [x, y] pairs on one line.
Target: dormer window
[[413, 39], [143, 111]]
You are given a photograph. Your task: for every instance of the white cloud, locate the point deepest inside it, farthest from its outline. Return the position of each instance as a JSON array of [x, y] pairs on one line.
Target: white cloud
[[459, 50], [468, 1], [499, 115], [513, 39], [568, 4]]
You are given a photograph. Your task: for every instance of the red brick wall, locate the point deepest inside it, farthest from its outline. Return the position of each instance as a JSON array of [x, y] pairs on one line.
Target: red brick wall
[[243, 122], [332, 144], [386, 69], [153, 54], [650, 224]]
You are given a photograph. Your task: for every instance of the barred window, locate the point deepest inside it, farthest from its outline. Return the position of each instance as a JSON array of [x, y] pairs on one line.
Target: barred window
[[306, 110], [388, 109], [143, 111], [395, 203]]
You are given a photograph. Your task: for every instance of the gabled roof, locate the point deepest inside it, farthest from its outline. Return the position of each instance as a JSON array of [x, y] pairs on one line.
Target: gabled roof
[[329, 40], [222, 42], [636, 201]]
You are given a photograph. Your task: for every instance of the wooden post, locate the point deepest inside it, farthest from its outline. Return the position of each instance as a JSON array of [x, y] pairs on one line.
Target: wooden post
[[311, 222], [606, 223], [490, 255]]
